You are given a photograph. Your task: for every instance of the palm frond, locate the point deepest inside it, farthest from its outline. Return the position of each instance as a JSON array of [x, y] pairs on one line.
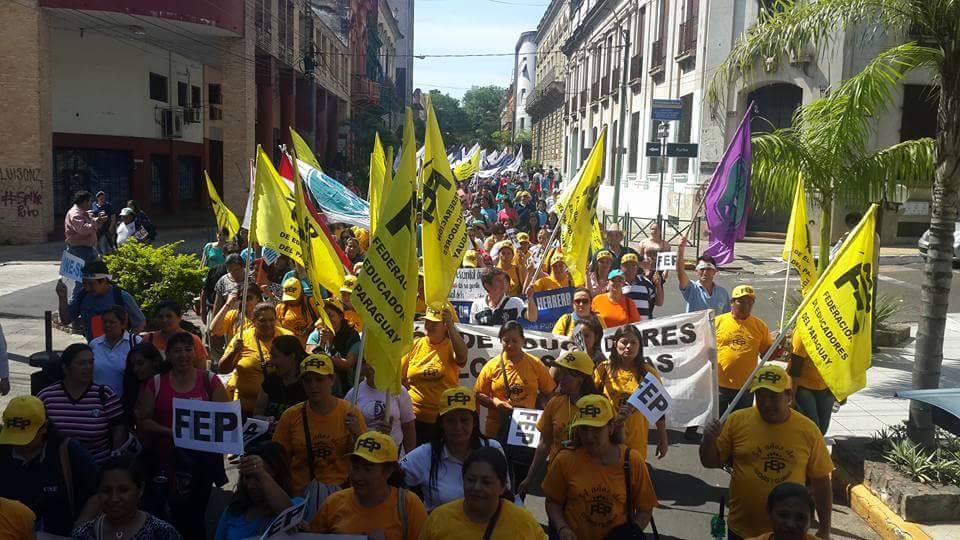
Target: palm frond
[[779, 158], [910, 163], [806, 24]]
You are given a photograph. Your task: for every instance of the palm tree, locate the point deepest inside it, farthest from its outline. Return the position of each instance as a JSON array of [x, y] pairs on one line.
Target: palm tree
[[790, 28]]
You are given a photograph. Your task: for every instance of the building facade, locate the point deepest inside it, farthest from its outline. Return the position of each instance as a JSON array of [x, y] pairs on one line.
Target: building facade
[[138, 99], [524, 70], [545, 105], [403, 11], [661, 47], [508, 109]]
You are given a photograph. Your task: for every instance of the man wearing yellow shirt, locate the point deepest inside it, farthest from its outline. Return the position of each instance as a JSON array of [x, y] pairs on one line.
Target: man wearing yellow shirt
[[768, 445], [741, 339]]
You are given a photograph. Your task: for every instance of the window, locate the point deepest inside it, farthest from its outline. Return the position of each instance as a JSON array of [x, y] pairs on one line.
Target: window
[[640, 21], [683, 131], [182, 94], [214, 94], [521, 122], [634, 142], [919, 117], [158, 88], [196, 99]]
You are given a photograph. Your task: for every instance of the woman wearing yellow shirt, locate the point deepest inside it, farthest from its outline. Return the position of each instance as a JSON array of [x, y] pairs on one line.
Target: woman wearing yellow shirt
[[811, 396], [558, 277], [790, 508], [485, 510], [503, 253], [618, 378], [224, 322], [329, 424], [574, 375], [581, 309], [249, 354], [587, 487], [371, 506], [294, 311], [432, 366]]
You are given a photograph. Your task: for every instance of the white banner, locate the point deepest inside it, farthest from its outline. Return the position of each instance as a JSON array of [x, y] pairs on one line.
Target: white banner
[[682, 348], [523, 428], [208, 426], [651, 399]]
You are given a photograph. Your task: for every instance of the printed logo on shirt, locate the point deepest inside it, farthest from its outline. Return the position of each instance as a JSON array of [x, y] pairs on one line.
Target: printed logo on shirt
[[772, 463], [378, 409], [96, 413], [518, 391], [739, 342], [322, 451], [431, 371], [600, 505]]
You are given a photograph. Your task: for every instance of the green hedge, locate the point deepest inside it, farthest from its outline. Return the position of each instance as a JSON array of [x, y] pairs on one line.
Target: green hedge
[[153, 274]]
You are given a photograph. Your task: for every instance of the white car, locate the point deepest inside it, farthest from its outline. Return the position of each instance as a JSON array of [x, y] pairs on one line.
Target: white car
[[924, 243]]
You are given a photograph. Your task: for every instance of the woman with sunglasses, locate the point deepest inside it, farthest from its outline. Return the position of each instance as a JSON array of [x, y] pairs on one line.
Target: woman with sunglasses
[[581, 309]]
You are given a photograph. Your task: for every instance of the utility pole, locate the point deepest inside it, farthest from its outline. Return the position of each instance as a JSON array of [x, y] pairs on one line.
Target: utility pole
[[621, 146]]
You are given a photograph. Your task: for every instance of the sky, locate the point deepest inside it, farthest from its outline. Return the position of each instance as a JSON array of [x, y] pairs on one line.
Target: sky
[[469, 26]]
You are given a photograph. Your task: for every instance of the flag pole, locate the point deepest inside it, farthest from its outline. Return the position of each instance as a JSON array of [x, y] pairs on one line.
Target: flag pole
[[786, 287], [356, 373]]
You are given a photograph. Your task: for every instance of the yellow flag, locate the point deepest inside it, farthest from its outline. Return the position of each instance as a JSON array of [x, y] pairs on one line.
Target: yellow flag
[[835, 320], [385, 295], [273, 223], [303, 152], [580, 201], [226, 220], [378, 173], [323, 265], [444, 230], [796, 248], [469, 167], [596, 238]]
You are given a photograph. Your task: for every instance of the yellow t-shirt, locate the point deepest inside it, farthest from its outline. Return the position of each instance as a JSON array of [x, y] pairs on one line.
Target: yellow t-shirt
[[556, 418], [765, 455], [16, 520], [427, 370], [296, 319], [251, 367], [594, 496], [739, 344], [228, 325], [353, 319], [527, 379], [518, 276], [618, 389], [809, 376], [341, 513], [565, 325], [549, 283], [331, 442], [450, 521]]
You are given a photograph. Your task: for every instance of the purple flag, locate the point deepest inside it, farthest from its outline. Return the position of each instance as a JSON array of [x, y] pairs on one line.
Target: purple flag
[[728, 195]]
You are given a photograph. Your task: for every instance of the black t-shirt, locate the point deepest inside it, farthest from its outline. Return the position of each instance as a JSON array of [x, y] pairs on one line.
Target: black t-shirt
[[281, 397]]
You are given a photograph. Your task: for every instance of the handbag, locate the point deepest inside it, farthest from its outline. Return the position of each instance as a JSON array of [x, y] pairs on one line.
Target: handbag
[[629, 530]]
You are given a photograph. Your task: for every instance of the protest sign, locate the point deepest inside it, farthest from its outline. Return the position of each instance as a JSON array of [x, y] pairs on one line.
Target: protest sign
[[71, 267], [286, 520], [682, 348], [551, 305], [253, 428], [466, 288], [523, 428], [667, 261], [651, 399], [207, 426]]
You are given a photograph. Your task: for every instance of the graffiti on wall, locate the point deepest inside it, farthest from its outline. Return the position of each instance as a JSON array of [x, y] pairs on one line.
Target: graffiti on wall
[[20, 190]]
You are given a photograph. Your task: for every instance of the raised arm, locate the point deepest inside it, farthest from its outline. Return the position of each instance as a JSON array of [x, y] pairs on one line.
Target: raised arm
[[682, 278]]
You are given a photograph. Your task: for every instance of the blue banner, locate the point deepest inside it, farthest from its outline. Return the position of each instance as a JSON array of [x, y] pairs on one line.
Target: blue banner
[[338, 203], [551, 305]]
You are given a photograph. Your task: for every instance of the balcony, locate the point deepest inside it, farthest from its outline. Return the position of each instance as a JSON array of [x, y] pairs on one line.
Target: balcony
[[573, 105], [223, 18], [659, 57], [264, 36], [547, 96], [605, 87], [595, 91], [615, 83], [687, 39], [584, 98], [364, 92], [636, 65]]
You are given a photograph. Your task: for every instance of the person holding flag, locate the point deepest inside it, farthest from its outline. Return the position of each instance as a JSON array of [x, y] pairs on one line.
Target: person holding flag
[[741, 339], [558, 278]]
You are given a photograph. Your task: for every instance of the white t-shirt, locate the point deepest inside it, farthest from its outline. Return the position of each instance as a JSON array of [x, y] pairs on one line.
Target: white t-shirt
[[511, 308], [416, 469], [371, 405], [125, 232]]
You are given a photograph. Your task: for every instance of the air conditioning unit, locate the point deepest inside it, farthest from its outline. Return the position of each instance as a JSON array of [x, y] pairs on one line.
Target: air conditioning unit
[[193, 115], [171, 123]]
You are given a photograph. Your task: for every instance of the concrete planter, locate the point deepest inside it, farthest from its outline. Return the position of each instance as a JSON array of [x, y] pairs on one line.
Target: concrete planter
[[891, 336], [912, 501]]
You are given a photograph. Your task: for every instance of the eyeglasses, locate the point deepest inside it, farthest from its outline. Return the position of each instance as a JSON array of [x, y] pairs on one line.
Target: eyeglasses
[[581, 301]]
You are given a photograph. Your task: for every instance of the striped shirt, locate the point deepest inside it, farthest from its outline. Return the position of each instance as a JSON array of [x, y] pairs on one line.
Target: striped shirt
[[88, 419], [644, 294]]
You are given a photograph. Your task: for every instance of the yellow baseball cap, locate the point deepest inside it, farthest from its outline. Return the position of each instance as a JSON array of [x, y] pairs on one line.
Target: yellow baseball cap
[[435, 315], [629, 257], [577, 361], [319, 363], [523, 237], [593, 410], [503, 244], [604, 254], [376, 447], [292, 289], [470, 259], [458, 397], [743, 290], [349, 282], [557, 257], [771, 377], [21, 420]]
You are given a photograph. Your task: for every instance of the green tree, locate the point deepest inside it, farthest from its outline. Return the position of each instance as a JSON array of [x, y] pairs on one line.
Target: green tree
[[454, 123], [789, 29], [482, 105], [152, 274]]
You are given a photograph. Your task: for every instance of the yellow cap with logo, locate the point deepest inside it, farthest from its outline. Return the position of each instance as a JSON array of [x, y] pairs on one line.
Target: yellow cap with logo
[[470, 259], [375, 447], [319, 363], [349, 282], [629, 257], [771, 377], [593, 410], [577, 361], [604, 254], [21, 420], [458, 397], [523, 237], [292, 289], [743, 290]]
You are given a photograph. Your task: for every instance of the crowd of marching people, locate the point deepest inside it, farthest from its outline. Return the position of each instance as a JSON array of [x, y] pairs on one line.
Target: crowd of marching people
[[93, 455]]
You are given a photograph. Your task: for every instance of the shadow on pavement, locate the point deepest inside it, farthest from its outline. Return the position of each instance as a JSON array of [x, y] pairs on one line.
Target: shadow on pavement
[[684, 489]]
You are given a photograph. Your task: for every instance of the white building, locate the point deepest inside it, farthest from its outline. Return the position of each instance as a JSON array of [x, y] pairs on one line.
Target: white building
[[670, 49], [403, 76], [524, 71]]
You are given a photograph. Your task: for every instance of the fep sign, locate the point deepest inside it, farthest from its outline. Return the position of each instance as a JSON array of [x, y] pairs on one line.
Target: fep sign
[[651, 398], [666, 261], [207, 426]]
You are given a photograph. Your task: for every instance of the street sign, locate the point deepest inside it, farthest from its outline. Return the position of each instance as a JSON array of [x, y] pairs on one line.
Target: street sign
[[682, 150], [653, 149], [666, 109]]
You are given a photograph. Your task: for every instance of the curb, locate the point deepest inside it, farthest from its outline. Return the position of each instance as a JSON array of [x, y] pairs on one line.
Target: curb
[[888, 525]]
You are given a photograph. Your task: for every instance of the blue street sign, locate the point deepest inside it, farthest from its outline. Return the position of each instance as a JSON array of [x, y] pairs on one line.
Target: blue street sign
[[666, 110]]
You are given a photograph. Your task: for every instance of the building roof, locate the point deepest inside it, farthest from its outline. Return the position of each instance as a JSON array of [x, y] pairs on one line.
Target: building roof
[[335, 15]]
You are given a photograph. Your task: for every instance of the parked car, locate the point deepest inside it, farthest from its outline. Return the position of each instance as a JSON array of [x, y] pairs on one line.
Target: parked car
[[924, 243]]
